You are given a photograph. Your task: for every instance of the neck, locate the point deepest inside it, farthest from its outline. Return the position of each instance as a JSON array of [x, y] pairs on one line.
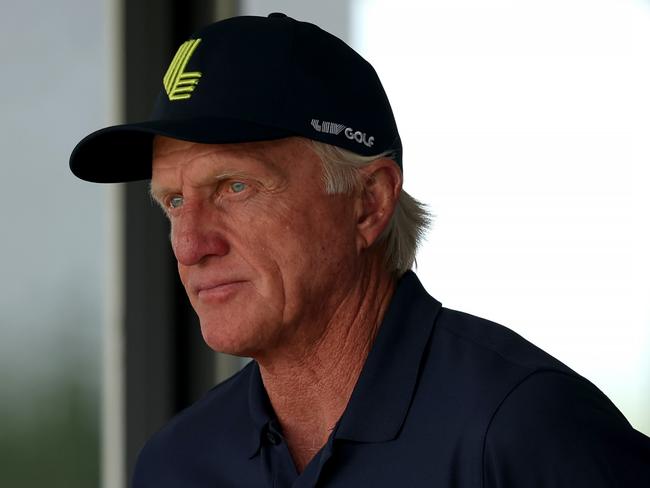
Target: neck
[[309, 389]]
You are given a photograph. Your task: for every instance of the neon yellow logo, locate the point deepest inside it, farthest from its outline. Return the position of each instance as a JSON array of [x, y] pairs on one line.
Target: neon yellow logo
[[179, 84]]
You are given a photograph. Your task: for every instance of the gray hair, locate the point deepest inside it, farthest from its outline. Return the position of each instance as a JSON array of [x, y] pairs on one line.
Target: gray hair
[[407, 225]]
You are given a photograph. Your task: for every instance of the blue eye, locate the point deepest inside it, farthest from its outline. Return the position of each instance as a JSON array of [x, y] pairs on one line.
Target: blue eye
[[176, 202], [238, 186]]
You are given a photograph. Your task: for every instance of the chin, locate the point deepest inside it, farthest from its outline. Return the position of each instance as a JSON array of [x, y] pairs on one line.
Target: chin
[[222, 341], [235, 338]]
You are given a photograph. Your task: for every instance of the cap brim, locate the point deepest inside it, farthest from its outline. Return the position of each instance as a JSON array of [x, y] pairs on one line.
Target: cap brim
[[123, 152]]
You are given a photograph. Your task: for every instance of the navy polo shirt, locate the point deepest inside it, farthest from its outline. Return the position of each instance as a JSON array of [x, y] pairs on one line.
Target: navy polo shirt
[[444, 399]]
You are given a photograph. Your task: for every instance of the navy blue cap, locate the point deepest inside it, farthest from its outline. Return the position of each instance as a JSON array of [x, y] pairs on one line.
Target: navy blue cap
[[249, 79]]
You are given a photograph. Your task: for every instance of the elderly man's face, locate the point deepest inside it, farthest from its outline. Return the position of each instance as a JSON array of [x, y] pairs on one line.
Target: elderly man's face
[[260, 247]]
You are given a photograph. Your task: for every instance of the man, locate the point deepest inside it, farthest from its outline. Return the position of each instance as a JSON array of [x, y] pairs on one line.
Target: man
[[274, 153]]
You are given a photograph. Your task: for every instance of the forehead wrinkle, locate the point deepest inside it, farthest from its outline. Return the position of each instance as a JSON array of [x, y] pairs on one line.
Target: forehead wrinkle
[[269, 156], [244, 153], [251, 162], [164, 146], [178, 163]]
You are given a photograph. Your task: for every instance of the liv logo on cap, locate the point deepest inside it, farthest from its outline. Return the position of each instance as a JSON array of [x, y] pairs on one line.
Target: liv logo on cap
[[180, 84], [327, 127]]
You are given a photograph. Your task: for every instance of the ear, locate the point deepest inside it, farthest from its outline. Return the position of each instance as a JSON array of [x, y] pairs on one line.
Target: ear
[[382, 183]]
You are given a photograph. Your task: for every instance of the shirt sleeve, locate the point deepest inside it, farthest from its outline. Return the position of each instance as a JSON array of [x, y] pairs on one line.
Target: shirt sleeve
[[557, 430]]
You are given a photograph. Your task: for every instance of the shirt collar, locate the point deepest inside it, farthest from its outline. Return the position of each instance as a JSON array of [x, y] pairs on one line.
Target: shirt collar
[[388, 380], [385, 388]]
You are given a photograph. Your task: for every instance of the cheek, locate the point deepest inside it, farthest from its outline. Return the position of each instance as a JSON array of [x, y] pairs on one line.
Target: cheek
[[311, 241], [289, 243]]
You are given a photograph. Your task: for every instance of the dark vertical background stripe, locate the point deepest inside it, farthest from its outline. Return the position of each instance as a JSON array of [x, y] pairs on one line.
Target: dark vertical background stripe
[[168, 366]]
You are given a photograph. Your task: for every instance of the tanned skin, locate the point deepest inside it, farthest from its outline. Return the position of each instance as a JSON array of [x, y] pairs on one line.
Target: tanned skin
[[279, 270]]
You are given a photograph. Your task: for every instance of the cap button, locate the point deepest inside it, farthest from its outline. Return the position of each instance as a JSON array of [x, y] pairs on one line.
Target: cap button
[[277, 15]]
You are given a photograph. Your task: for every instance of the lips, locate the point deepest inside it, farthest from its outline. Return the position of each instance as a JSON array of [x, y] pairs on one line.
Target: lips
[[217, 289]]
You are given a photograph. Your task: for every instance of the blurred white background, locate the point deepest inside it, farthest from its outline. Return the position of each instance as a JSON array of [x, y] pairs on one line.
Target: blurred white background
[[526, 129]]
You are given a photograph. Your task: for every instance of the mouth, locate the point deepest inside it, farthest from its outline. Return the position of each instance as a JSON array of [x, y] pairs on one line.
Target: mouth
[[218, 291]]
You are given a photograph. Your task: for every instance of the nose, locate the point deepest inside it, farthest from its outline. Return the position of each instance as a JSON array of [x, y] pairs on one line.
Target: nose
[[194, 237]]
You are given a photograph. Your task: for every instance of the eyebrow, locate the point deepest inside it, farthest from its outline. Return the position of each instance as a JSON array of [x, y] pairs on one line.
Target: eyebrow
[[158, 193]]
